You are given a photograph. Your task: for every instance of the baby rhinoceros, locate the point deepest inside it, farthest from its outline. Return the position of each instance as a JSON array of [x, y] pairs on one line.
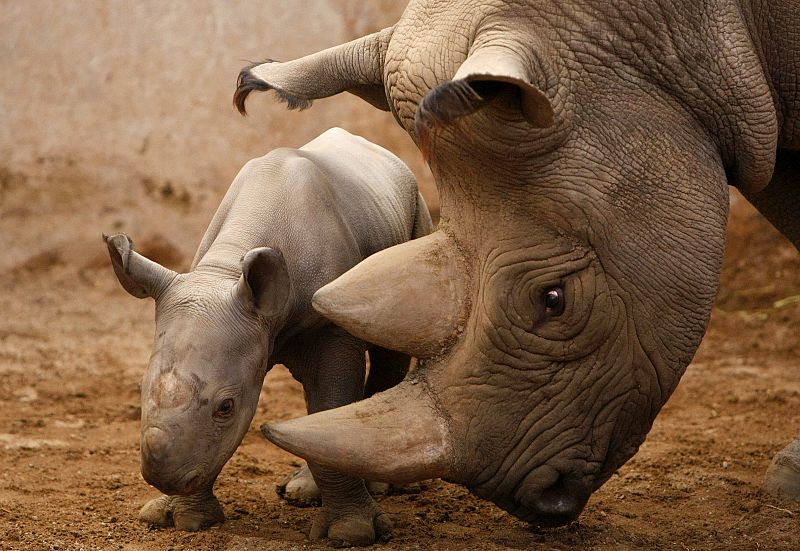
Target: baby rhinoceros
[[291, 222]]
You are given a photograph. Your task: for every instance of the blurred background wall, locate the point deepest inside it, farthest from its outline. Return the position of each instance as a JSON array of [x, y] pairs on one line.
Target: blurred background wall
[[116, 115]]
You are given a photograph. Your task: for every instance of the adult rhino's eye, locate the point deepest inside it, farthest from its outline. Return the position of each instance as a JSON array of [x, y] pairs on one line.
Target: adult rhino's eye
[[554, 301], [225, 408]]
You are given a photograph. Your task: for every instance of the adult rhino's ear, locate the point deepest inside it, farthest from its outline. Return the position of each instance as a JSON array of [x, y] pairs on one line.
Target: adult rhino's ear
[[140, 276], [355, 67], [493, 70], [264, 284]]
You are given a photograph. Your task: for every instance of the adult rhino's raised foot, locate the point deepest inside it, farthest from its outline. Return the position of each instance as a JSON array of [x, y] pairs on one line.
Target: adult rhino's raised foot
[[583, 152]]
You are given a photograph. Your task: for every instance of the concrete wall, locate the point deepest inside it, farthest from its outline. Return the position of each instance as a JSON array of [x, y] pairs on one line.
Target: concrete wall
[[137, 94]]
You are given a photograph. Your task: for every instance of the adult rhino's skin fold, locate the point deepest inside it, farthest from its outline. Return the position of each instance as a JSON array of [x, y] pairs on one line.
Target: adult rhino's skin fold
[[397, 436]]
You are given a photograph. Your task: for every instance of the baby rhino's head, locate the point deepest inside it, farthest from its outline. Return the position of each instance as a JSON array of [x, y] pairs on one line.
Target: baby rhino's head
[[212, 344]]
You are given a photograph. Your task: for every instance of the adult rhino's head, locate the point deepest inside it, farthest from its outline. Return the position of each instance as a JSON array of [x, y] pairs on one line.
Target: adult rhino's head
[[583, 205], [209, 359]]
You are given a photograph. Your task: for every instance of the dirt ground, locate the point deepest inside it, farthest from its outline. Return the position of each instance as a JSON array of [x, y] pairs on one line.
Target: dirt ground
[[73, 347]]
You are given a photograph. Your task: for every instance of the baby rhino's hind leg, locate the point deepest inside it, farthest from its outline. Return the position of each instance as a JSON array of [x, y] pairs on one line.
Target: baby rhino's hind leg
[[386, 369], [779, 202], [299, 488]]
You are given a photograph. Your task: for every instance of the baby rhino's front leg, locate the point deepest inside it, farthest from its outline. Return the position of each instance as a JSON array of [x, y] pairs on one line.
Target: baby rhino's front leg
[[189, 513], [331, 367], [349, 515]]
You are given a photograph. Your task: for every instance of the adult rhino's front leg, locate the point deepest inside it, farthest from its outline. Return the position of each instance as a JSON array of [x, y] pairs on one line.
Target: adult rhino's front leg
[[331, 368]]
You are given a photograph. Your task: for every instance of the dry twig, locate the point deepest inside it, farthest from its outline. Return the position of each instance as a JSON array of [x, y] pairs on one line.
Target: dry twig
[[791, 513]]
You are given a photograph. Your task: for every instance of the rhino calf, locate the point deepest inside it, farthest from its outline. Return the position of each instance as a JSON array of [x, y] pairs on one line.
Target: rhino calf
[[291, 222]]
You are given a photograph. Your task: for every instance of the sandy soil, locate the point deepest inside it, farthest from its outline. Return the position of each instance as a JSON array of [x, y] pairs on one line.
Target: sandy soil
[[73, 347]]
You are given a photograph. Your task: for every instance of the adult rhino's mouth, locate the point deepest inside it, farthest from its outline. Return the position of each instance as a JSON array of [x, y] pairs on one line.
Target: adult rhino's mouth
[[400, 436]]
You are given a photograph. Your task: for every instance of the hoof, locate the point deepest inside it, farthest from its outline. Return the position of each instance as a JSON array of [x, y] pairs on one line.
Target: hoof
[[186, 513], [157, 512], [378, 488], [299, 489], [783, 476], [352, 529]]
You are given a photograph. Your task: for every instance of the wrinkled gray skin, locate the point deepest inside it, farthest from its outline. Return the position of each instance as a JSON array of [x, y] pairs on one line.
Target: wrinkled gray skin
[[291, 222], [583, 152]]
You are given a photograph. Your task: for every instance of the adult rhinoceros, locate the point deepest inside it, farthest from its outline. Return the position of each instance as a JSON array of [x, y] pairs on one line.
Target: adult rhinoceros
[[583, 152]]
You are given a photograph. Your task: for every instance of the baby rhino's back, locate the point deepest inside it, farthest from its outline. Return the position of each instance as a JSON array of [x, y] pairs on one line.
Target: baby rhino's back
[[326, 207], [372, 190]]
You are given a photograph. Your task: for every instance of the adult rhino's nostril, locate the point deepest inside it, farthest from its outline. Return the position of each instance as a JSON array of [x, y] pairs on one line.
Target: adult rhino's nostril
[[154, 443]]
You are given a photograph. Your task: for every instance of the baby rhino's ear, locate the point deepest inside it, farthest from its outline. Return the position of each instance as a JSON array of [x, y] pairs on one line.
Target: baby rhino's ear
[[264, 285], [140, 276]]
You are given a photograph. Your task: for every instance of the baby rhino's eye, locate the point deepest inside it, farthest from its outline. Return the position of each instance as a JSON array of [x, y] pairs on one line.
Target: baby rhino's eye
[[554, 301], [225, 408]]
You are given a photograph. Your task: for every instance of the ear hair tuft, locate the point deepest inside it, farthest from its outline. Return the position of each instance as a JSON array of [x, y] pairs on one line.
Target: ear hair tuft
[[442, 106]]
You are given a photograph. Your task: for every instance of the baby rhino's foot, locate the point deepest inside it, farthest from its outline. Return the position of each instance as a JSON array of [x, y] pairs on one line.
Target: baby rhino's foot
[[187, 513], [353, 527], [300, 490]]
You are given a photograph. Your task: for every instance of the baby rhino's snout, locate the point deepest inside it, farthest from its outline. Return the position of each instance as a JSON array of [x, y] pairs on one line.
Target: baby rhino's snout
[[155, 454], [159, 466]]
